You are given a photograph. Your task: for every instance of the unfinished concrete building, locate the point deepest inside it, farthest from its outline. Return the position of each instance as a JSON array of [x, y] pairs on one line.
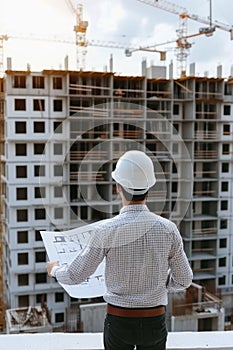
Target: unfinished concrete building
[[195, 309], [64, 131]]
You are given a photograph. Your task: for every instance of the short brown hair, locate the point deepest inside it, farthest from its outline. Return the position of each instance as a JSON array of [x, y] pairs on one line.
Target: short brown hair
[[134, 196]]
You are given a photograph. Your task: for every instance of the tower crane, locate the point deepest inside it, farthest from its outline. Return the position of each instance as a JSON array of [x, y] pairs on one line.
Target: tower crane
[[80, 30], [81, 41], [183, 45]]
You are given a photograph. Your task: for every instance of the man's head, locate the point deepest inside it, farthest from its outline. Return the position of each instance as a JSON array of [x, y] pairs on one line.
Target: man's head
[[135, 175]]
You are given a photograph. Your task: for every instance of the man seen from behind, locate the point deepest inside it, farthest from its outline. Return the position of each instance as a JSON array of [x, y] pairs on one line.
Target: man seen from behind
[[144, 260]]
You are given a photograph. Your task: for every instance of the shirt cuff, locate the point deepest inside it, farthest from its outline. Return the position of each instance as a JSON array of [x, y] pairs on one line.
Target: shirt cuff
[[53, 271]]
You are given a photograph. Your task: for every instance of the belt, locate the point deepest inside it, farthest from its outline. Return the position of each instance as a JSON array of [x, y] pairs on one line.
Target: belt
[[125, 312]]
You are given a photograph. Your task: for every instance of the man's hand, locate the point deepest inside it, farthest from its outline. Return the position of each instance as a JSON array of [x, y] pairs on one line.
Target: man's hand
[[50, 265]]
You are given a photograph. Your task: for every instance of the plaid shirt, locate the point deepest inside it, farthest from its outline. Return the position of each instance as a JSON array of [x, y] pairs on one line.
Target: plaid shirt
[[144, 259]]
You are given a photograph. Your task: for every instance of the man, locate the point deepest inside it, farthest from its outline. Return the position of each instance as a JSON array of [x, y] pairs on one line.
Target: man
[[144, 259]]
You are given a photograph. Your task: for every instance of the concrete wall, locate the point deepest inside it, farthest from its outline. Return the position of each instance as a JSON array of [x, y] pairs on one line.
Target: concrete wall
[[91, 341], [188, 323], [92, 317], [181, 323]]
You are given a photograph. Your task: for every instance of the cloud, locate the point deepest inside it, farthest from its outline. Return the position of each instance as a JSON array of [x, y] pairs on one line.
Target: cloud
[[110, 16], [212, 51], [130, 22]]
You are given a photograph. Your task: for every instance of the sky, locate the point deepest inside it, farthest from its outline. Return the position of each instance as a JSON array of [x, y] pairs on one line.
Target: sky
[[38, 32]]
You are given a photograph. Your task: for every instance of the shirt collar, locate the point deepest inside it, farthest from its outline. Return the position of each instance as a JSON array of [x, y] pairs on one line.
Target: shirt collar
[[134, 207]]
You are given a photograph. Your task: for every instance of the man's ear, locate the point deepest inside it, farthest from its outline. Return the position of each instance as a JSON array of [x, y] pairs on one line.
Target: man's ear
[[118, 188]]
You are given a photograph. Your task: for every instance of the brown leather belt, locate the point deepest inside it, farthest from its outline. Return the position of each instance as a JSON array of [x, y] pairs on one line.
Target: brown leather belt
[[125, 312]]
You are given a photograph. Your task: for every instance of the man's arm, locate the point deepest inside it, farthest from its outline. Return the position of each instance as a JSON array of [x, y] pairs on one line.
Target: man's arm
[[180, 275], [82, 267]]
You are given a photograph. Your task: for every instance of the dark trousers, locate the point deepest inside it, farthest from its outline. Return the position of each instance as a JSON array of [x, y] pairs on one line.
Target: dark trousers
[[124, 333]]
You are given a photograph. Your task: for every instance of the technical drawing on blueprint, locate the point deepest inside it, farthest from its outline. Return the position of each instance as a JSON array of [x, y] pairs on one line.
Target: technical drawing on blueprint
[[63, 247]]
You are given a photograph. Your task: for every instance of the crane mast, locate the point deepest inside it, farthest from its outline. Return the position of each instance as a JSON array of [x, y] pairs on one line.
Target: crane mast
[[183, 46], [80, 29]]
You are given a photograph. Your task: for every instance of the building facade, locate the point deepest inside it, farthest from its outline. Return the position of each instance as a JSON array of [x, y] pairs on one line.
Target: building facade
[[63, 133]]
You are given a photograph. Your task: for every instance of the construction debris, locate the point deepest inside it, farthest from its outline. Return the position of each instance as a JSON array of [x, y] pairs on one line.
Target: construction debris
[[27, 320]]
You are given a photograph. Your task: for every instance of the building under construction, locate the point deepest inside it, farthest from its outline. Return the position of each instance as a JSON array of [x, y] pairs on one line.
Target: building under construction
[[62, 134]]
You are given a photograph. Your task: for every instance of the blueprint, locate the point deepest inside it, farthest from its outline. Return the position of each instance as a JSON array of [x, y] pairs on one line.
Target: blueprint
[[64, 247]]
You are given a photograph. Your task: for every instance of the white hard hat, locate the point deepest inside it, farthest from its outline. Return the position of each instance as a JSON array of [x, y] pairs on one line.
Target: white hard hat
[[135, 171]]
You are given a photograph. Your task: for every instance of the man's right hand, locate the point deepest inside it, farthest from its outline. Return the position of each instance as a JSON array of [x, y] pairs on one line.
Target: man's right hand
[[50, 265]]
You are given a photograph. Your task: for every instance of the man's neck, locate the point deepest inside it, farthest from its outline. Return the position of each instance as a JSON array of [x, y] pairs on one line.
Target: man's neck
[[137, 202], [125, 202]]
